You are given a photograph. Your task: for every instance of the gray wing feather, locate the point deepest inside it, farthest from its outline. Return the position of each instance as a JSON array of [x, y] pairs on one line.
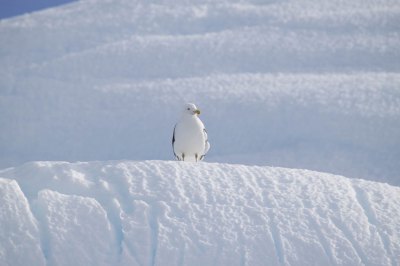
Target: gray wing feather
[[173, 142], [207, 144]]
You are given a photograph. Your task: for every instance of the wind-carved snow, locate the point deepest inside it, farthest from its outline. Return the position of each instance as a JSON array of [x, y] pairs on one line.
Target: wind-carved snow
[[172, 213], [75, 227], [20, 243], [298, 84]]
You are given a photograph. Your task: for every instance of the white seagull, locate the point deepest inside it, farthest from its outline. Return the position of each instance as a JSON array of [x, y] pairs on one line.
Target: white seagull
[[189, 141]]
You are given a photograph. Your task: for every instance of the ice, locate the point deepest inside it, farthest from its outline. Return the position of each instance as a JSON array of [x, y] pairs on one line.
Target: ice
[[174, 213]]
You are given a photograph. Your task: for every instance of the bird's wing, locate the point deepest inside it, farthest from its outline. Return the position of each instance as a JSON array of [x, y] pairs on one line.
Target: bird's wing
[[173, 142], [207, 144]]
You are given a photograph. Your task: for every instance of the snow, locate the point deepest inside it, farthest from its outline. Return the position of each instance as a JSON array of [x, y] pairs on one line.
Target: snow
[[311, 84], [75, 225], [174, 213], [19, 232], [89, 95]]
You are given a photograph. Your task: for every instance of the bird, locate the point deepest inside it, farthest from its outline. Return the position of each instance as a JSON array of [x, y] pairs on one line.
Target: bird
[[189, 139]]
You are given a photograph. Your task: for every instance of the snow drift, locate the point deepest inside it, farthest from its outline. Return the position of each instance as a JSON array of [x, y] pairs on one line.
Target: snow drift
[[299, 84], [173, 213]]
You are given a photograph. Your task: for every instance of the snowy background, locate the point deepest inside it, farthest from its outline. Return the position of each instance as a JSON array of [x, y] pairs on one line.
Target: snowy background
[[296, 84]]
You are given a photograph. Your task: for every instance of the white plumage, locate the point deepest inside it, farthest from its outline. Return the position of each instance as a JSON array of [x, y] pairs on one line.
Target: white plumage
[[189, 140]]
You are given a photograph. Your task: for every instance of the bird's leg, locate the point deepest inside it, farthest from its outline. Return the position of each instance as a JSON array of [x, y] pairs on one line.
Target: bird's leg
[[183, 156], [195, 156]]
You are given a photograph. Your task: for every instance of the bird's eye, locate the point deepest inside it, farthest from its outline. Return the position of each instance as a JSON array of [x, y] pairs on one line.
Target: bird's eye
[[188, 109]]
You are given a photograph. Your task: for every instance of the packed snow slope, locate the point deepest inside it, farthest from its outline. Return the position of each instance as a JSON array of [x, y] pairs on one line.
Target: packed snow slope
[[176, 213], [300, 84]]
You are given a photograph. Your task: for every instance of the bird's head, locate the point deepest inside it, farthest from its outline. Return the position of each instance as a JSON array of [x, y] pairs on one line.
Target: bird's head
[[191, 109]]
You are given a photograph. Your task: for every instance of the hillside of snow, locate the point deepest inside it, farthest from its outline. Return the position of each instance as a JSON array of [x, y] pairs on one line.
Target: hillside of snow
[[175, 213], [299, 84]]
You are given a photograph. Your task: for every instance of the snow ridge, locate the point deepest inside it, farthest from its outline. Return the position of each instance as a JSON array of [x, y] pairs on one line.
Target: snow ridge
[[160, 212], [300, 84]]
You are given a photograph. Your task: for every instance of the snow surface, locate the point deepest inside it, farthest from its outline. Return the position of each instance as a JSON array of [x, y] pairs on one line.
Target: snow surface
[[299, 84], [176, 213]]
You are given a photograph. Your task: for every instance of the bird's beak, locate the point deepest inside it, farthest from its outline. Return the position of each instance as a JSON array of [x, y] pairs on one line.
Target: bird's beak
[[197, 111]]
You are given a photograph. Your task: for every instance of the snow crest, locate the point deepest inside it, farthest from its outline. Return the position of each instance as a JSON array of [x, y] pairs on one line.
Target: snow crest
[[172, 213]]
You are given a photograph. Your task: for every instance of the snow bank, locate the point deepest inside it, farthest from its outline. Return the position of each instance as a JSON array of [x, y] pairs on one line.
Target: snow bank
[[172, 213], [301, 84], [19, 234]]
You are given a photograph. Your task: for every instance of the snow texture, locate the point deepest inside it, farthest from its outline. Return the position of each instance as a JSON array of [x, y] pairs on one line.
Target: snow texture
[[175, 213], [299, 84]]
